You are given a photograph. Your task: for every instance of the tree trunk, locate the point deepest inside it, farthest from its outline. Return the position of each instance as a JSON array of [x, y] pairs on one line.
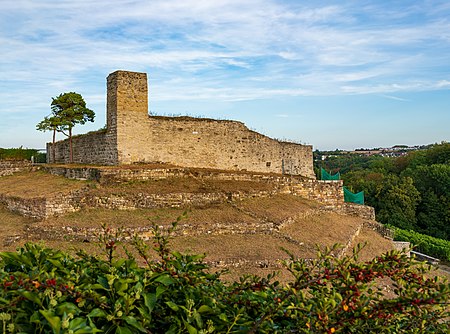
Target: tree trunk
[[70, 146], [53, 147]]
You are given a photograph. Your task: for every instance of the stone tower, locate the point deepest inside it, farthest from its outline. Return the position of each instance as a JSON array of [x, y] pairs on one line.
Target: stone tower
[[127, 112]]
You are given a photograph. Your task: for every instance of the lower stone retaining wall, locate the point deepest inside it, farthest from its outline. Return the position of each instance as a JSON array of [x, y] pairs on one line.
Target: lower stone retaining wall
[[380, 228], [9, 167], [329, 193], [28, 207], [41, 208], [149, 201], [81, 173], [358, 210]]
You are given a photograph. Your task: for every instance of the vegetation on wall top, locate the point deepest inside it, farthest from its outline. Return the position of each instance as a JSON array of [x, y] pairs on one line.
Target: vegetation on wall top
[[20, 154]]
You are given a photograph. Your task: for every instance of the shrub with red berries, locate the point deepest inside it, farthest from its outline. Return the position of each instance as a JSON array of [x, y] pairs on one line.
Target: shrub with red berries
[[47, 291]]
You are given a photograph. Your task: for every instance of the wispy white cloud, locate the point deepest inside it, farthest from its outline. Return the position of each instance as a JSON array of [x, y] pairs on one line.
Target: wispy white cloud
[[396, 98], [223, 50]]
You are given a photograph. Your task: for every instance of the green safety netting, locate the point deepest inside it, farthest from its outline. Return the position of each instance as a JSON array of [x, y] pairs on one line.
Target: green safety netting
[[353, 198], [326, 176]]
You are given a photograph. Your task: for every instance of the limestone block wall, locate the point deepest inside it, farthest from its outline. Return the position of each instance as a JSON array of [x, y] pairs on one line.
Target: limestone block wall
[[330, 193], [132, 136], [380, 228], [8, 167], [42, 208], [34, 207], [92, 148], [358, 210], [207, 143]]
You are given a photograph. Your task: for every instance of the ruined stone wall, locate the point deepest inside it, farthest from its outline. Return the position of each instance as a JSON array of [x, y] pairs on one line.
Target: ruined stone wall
[[358, 210], [28, 207], [42, 208], [207, 143], [330, 193], [8, 167], [134, 137], [92, 148]]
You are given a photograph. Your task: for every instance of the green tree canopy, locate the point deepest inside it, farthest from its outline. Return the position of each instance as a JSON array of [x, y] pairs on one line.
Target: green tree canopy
[[51, 123], [411, 191], [68, 110]]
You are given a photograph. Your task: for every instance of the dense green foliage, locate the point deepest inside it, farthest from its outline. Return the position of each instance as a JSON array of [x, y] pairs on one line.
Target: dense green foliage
[[411, 192], [20, 153], [424, 243], [47, 291]]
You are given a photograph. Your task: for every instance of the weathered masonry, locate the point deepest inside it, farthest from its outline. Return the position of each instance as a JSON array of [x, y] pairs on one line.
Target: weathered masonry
[[132, 136]]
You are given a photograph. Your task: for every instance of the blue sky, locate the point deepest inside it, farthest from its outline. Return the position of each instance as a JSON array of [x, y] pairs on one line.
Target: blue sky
[[334, 74]]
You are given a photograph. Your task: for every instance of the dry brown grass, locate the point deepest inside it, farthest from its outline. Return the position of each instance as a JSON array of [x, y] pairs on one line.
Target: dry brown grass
[[374, 244], [37, 184], [325, 228], [240, 239], [182, 185], [11, 224], [279, 207]]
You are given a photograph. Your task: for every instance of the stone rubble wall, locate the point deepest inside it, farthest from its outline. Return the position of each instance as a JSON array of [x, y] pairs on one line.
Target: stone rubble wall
[[9, 167], [184, 229], [150, 201], [358, 210], [380, 229], [42, 208], [329, 193], [132, 136], [28, 207], [74, 173], [92, 148], [206, 143]]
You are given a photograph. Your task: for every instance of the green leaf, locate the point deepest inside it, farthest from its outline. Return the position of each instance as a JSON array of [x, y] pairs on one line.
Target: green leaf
[[191, 329], [160, 290], [56, 263], [144, 314], [223, 317], [31, 296], [77, 323], [79, 326], [123, 330], [99, 287], [35, 317], [165, 280], [15, 258], [119, 263], [133, 322], [53, 320], [173, 306], [120, 286], [103, 282], [67, 308], [87, 329], [204, 309], [97, 313], [150, 301], [198, 319]]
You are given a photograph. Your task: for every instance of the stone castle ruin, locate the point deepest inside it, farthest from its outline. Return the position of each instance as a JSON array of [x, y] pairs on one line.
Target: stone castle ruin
[[132, 137]]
